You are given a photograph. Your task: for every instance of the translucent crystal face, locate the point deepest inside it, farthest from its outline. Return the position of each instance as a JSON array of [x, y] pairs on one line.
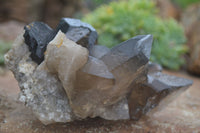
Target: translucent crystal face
[[78, 79]]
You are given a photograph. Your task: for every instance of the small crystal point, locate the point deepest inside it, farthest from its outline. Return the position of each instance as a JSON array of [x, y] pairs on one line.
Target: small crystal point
[[137, 46], [155, 93]]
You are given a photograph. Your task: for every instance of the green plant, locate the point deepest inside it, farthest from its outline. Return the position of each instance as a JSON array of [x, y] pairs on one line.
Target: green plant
[[122, 20], [4, 47]]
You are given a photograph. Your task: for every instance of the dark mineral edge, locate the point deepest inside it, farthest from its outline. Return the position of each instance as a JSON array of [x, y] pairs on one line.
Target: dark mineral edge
[[37, 35], [78, 31]]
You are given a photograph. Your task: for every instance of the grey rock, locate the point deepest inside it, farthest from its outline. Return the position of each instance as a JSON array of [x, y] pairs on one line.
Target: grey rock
[[40, 90], [46, 96]]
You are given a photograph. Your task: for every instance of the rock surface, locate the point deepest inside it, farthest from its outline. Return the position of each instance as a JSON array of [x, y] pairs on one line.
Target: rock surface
[[71, 85], [40, 90]]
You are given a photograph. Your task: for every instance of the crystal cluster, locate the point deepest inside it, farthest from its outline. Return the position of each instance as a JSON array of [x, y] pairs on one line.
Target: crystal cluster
[[64, 76]]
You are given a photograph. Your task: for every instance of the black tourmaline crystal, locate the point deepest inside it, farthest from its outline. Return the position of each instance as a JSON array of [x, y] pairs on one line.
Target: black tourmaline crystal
[[78, 31], [37, 35]]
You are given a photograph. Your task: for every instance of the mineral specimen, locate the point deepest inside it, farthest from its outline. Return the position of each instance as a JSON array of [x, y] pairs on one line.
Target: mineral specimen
[[75, 82]]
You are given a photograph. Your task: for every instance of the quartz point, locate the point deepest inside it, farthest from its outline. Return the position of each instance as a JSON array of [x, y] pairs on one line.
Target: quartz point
[[64, 76], [155, 93]]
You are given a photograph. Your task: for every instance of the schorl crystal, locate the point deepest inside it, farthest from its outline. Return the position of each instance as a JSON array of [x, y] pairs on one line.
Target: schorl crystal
[[78, 31], [37, 35]]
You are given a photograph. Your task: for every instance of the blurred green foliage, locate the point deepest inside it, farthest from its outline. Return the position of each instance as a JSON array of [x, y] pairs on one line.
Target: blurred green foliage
[[119, 21], [4, 47], [185, 3]]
